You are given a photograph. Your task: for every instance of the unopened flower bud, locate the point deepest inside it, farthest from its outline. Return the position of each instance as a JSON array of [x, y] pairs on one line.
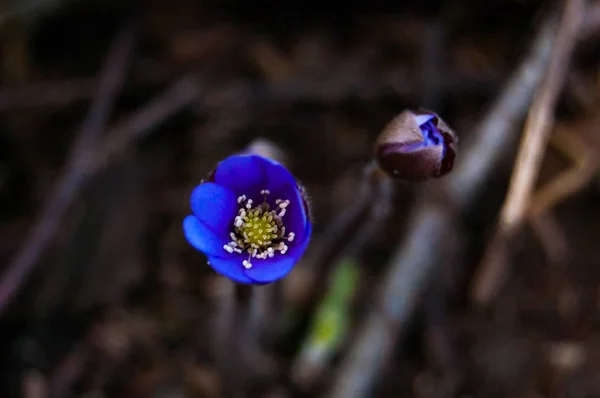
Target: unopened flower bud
[[415, 146]]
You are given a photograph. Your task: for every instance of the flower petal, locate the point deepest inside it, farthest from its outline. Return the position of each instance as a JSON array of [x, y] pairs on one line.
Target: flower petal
[[424, 118], [249, 174], [273, 269], [215, 206], [277, 175], [231, 267], [243, 174], [201, 237]]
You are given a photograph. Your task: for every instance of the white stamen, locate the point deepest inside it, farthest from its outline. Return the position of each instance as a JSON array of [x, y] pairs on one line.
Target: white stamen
[[259, 231]]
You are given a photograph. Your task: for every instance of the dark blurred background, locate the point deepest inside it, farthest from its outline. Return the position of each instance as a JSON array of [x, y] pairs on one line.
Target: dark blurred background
[[127, 105]]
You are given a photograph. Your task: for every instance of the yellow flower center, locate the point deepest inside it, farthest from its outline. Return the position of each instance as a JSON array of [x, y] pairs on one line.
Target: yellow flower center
[[258, 230], [259, 227]]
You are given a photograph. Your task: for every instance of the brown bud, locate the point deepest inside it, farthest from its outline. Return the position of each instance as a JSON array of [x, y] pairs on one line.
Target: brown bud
[[415, 146]]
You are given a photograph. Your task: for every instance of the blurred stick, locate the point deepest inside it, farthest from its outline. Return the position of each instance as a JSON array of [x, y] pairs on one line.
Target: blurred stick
[[336, 239], [34, 385], [330, 324], [492, 270], [583, 156], [68, 91], [65, 92], [578, 143], [417, 259], [178, 95], [241, 341], [591, 23], [113, 74], [443, 352], [70, 369], [85, 164]]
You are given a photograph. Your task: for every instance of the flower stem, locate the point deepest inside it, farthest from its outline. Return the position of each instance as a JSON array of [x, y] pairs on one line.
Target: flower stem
[[235, 336]]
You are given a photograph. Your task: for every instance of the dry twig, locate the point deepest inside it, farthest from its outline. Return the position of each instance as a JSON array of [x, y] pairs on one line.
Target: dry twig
[[535, 138], [56, 93], [308, 280], [591, 24], [75, 172], [178, 95], [309, 368]]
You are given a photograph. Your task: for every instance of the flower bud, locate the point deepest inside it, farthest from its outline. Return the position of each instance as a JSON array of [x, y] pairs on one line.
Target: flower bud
[[415, 146]]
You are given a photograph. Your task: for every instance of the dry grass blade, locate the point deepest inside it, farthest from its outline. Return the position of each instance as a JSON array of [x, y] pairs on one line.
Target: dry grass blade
[[535, 138]]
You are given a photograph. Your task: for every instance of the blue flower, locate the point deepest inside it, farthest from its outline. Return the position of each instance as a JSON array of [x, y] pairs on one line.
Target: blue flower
[[416, 146], [250, 219]]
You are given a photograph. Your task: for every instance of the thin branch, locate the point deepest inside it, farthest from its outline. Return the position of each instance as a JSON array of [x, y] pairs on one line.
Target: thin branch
[[335, 240], [46, 93], [492, 135], [316, 354], [303, 88], [57, 204], [67, 91], [417, 259], [591, 24], [177, 96], [531, 152]]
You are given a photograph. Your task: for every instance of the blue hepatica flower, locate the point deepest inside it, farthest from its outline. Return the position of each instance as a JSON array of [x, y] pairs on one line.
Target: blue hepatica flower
[[250, 219], [416, 146]]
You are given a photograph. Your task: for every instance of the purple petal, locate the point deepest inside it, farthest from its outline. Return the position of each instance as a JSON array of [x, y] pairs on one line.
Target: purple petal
[[249, 174], [431, 134], [201, 237], [421, 119], [231, 267], [215, 206], [277, 175], [272, 269], [243, 174]]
